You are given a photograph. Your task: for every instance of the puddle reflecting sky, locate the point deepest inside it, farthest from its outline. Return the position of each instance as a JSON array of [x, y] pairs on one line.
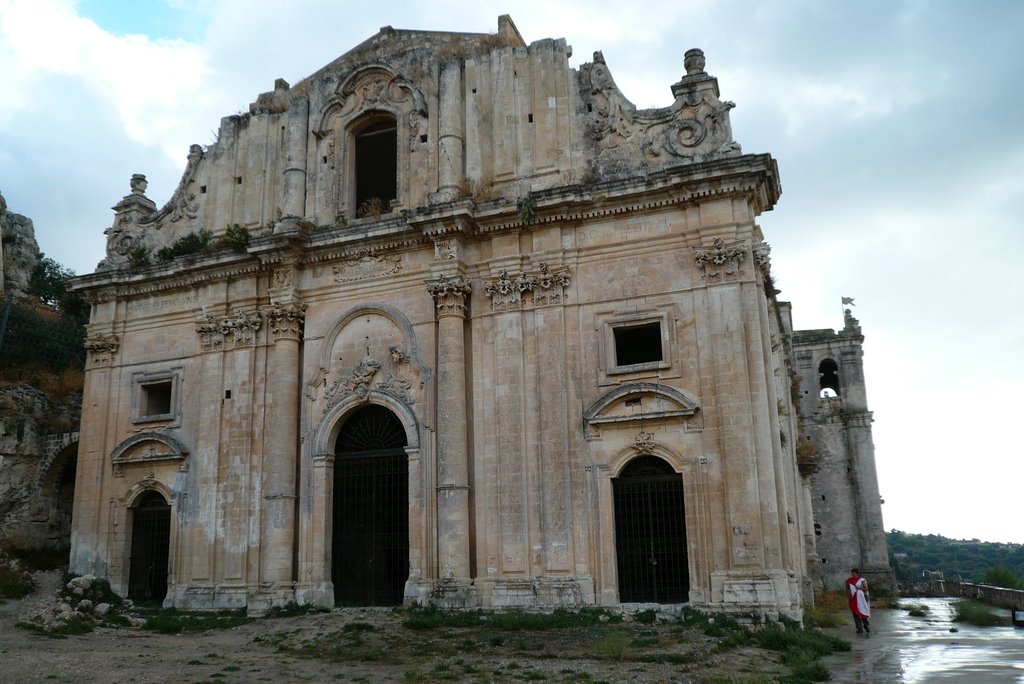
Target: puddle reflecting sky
[[915, 650]]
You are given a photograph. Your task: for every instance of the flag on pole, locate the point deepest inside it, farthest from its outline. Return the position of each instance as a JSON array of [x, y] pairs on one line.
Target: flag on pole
[[848, 300]]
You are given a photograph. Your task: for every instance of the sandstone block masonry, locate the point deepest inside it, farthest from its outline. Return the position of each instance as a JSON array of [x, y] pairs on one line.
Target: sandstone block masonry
[[448, 322]]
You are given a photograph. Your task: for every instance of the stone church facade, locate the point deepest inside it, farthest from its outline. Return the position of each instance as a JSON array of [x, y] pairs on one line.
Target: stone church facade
[[468, 328]]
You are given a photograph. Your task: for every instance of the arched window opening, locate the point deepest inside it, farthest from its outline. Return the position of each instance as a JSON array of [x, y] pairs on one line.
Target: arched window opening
[[376, 165], [151, 539], [650, 533], [370, 559], [828, 379]]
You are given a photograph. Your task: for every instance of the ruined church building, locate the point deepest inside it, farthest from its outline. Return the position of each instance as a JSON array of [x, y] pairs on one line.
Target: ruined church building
[[471, 330]]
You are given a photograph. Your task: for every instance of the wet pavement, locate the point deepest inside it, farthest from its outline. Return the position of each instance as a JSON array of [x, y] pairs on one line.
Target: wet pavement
[[909, 649]]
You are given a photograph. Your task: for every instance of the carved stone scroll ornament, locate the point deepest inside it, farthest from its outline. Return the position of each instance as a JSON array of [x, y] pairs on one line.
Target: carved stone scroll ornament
[[721, 260], [695, 127], [101, 348], [183, 203], [286, 320], [358, 383], [450, 295]]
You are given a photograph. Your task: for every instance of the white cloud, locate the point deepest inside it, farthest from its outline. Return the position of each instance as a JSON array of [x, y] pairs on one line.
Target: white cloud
[[152, 84]]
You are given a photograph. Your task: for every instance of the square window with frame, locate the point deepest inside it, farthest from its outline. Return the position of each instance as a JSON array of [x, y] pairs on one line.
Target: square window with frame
[[637, 343], [155, 396]]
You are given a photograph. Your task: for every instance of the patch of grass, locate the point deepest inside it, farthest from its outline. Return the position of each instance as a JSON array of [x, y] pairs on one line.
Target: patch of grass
[[823, 617], [509, 620], [976, 613], [712, 624], [293, 609], [615, 646], [914, 609], [173, 621], [646, 617], [358, 627], [801, 649]]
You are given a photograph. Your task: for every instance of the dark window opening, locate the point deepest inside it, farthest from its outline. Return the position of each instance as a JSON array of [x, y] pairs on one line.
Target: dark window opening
[[817, 530], [202, 189], [423, 138], [156, 398], [638, 344], [227, 394], [529, 118], [828, 378], [238, 180], [376, 166]]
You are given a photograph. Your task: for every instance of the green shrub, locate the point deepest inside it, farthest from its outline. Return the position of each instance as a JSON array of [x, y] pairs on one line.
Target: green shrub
[[138, 257], [236, 237], [192, 243], [976, 613], [646, 617], [15, 582]]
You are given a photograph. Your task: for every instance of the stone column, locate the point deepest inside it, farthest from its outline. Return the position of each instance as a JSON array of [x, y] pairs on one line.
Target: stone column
[[450, 159], [450, 294], [293, 193], [281, 444]]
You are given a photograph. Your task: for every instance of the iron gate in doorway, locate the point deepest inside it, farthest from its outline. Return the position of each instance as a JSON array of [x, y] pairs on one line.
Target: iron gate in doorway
[[650, 533], [151, 538], [370, 549]]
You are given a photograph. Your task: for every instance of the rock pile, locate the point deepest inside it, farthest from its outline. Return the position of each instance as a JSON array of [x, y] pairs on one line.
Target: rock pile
[[84, 602]]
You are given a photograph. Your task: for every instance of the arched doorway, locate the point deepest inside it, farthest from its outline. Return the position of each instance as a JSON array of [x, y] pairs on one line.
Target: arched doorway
[[650, 533], [371, 510], [151, 537]]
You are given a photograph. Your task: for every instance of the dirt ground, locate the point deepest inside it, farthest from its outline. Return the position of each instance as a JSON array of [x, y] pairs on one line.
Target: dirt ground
[[370, 645]]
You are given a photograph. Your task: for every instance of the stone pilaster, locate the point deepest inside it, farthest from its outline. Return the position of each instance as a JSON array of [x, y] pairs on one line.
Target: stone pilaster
[[282, 423], [450, 298]]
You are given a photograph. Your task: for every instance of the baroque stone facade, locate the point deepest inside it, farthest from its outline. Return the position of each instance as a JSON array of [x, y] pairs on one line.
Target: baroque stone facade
[[493, 325]]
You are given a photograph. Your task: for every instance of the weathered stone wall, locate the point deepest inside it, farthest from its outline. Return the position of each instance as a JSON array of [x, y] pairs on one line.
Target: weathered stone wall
[[36, 472], [844, 483]]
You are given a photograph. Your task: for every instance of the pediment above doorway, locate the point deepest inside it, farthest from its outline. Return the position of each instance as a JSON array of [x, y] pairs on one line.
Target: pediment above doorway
[[639, 402]]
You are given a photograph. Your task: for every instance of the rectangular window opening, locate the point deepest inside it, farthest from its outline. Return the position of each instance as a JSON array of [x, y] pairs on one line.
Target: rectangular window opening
[[156, 398], [638, 344]]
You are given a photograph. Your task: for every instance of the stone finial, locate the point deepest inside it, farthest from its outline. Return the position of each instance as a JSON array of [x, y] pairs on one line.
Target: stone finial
[[139, 184], [693, 61]]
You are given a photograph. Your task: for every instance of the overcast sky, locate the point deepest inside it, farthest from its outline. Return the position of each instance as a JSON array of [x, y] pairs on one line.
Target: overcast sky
[[898, 128]]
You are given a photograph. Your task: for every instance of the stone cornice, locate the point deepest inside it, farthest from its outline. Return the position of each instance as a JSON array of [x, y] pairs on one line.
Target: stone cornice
[[754, 177]]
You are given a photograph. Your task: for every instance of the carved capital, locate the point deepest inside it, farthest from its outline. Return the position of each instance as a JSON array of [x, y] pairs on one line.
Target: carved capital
[[507, 292], [101, 348], [721, 261], [450, 295], [235, 331], [286, 320]]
